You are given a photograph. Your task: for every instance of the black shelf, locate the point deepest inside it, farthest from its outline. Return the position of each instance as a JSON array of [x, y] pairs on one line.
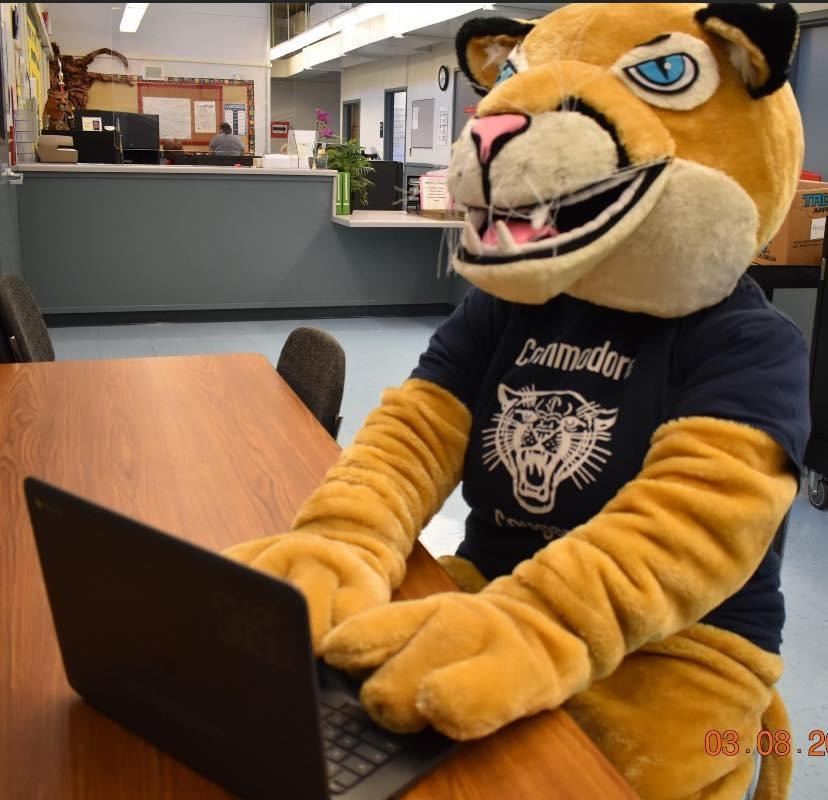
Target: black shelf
[[785, 277], [802, 277]]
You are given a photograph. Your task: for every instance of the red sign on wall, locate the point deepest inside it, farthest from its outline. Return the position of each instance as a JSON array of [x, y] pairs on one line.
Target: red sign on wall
[[279, 130]]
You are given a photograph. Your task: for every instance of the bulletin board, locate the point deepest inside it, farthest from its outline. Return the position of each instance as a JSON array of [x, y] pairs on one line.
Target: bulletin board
[[185, 101], [233, 101], [34, 62]]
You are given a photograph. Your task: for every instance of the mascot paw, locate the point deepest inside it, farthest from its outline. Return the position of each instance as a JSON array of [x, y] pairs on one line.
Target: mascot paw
[[465, 574], [337, 579], [461, 663]]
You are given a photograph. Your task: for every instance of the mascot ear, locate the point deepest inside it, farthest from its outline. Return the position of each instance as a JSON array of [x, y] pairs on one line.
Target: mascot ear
[[761, 40], [483, 45]]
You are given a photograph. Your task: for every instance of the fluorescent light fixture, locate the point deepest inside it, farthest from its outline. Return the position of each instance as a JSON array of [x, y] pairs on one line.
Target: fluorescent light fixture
[[410, 17], [315, 34], [400, 18], [133, 14], [337, 24]]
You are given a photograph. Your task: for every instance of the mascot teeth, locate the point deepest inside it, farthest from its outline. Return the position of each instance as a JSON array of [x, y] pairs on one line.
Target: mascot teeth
[[539, 217], [470, 239], [504, 237], [574, 217]]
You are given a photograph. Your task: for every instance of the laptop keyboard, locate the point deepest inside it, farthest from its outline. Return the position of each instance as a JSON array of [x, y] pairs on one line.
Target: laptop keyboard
[[355, 746]]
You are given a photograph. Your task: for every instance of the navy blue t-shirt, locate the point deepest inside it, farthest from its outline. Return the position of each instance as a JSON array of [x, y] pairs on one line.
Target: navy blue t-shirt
[[565, 397]]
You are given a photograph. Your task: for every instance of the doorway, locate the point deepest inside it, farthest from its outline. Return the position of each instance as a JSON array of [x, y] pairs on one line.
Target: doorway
[[350, 120], [465, 103], [394, 124]]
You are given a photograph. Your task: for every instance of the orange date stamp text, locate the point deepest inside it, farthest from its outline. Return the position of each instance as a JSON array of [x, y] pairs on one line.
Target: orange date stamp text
[[767, 743]]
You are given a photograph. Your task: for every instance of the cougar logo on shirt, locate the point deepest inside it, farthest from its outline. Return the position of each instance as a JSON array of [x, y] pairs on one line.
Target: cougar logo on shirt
[[544, 438]]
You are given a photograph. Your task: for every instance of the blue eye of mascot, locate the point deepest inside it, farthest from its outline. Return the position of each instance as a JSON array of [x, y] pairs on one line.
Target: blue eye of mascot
[[625, 410]]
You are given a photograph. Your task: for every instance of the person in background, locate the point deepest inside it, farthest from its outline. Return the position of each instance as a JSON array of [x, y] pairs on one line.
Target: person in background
[[225, 142]]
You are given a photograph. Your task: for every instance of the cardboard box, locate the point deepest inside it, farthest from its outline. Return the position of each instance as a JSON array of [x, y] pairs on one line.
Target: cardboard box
[[799, 241]]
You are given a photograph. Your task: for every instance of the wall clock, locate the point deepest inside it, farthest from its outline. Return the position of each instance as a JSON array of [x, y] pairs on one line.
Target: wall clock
[[443, 78]]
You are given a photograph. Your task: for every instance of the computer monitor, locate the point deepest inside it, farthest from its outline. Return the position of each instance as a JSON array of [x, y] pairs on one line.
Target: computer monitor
[[140, 138]]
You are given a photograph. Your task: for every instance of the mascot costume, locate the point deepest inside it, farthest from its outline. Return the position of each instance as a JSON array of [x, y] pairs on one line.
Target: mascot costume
[[625, 409]]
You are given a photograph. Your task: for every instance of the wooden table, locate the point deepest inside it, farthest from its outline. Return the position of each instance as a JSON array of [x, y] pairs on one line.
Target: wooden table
[[215, 449]]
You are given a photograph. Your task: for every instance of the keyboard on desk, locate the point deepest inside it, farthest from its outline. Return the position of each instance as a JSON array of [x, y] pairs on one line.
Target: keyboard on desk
[[355, 746]]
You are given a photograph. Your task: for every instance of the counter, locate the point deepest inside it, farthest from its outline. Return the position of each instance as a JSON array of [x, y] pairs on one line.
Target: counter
[[147, 238], [163, 169], [392, 219]]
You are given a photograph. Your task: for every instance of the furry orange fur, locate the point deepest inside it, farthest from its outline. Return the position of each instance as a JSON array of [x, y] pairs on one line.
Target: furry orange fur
[[605, 619]]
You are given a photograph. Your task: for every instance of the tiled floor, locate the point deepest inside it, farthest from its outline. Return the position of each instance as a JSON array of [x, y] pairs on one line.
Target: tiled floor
[[381, 352]]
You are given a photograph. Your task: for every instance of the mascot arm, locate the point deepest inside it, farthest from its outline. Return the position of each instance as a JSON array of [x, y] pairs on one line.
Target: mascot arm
[[677, 540], [348, 545], [674, 543], [401, 467]]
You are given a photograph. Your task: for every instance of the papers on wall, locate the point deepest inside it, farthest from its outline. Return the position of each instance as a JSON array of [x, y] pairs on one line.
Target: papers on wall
[[235, 115], [422, 129], [174, 118], [91, 123], [442, 126], [204, 112]]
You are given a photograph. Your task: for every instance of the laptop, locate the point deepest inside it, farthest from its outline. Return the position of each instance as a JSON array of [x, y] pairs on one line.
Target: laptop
[[210, 661]]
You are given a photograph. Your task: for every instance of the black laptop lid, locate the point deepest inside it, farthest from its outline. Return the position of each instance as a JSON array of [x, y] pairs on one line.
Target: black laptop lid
[[205, 658]]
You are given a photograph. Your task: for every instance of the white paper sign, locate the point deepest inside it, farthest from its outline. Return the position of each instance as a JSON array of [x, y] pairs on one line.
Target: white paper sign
[[174, 118], [415, 118], [205, 116], [235, 115], [434, 193], [818, 228], [442, 126], [91, 124]]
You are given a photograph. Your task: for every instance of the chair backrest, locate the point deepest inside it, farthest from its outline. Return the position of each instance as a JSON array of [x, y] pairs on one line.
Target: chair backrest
[[781, 537], [24, 333], [313, 364]]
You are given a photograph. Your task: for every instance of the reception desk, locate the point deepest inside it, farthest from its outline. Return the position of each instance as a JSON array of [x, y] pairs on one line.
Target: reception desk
[[102, 238]]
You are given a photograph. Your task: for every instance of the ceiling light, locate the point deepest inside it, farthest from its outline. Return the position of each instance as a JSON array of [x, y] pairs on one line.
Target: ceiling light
[[348, 19], [399, 19], [133, 14]]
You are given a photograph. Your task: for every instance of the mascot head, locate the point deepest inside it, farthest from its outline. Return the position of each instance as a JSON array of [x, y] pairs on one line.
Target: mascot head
[[636, 155]]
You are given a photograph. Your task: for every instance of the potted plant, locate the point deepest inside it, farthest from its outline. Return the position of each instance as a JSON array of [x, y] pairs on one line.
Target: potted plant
[[347, 157]]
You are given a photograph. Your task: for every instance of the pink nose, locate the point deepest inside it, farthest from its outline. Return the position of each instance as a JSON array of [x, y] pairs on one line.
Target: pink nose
[[491, 133]]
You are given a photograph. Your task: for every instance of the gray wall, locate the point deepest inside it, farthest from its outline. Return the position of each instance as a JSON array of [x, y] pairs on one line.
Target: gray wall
[[143, 242], [297, 100], [10, 258]]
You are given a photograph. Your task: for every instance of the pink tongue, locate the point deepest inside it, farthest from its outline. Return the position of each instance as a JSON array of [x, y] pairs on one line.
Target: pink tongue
[[521, 231]]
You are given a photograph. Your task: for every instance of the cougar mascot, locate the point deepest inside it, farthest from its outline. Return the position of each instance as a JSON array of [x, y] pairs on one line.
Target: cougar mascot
[[626, 411]]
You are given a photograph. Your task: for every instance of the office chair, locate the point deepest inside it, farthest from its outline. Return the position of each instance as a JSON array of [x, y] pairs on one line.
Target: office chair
[[781, 537], [313, 364], [24, 333]]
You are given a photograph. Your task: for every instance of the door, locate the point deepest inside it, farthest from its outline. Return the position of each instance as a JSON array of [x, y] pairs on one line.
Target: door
[[394, 125], [465, 103], [350, 120]]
